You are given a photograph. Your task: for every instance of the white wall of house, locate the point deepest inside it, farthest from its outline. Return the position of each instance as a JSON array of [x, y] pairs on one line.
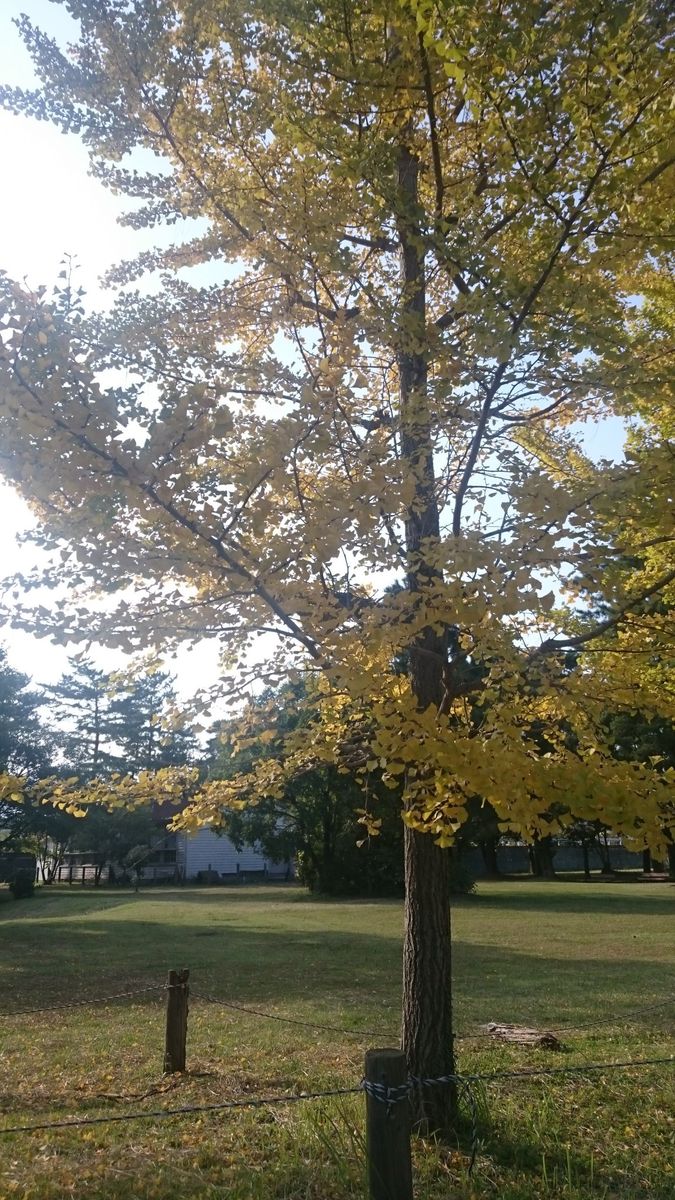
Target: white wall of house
[[209, 851], [185, 855]]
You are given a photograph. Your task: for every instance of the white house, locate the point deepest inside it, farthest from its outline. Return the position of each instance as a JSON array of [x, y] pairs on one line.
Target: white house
[[206, 854]]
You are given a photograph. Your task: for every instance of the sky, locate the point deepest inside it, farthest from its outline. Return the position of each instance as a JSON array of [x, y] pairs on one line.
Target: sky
[[50, 206]]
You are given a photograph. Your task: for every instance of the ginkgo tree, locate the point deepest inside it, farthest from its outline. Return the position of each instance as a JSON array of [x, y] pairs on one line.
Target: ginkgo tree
[[348, 417]]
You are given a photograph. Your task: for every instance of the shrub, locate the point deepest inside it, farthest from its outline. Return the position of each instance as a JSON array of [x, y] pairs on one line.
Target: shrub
[[373, 869], [462, 882], [22, 885]]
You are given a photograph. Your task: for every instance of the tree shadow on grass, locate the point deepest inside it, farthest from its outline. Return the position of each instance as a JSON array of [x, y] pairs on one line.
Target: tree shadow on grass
[[554, 898], [58, 900], [558, 1168], [252, 963], [288, 965], [49, 905]]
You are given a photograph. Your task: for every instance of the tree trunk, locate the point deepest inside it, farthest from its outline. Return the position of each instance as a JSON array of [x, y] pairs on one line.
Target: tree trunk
[[427, 1013], [542, 857], [605, 860], [671, 860], [97, 733], [327, 846], [546, 852], [488, 849], [427, 1004], [646, 861]]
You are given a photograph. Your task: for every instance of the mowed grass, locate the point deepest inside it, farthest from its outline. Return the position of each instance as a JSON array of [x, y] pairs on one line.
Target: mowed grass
[[544, 954]]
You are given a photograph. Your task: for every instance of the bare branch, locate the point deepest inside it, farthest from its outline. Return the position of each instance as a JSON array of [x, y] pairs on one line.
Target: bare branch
[[580, 639]]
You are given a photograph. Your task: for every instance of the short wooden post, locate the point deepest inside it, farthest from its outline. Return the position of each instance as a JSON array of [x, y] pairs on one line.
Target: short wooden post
[[387, 1128], [176, 1021]]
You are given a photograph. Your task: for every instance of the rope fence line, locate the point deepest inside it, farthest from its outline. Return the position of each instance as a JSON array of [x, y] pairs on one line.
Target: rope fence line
[[20, 1012], [379, 1091], [358, 1033], [183, 1110], [579, 1069], [256, 1012], [620, 1017], [609, 1024], [386, 1083], [459, 1037], [392, 1095]]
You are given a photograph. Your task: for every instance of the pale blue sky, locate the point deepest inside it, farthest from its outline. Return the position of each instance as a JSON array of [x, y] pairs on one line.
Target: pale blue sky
[[49, 206]]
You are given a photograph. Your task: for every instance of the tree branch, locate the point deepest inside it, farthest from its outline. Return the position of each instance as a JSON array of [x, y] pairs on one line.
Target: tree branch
[[119, 469], [433, 127], [580, 639]]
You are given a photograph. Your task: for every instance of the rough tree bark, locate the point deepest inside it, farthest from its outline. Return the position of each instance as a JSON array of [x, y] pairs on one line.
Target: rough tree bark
[[427, 1007]]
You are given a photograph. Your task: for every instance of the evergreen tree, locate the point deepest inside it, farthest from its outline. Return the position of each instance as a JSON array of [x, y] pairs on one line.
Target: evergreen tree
[[649, 739], [25, 743], [118, 722], [145, 725], [80, 703]]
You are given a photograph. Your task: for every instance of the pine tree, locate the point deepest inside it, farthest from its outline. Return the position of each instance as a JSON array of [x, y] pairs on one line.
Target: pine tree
[[80, 704], [145, 724], [25, 744]]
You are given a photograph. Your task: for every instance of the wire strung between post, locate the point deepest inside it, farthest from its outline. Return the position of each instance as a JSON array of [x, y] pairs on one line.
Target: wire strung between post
[[183, 1110], [257, 1012], [459, 1037], [378, 1091], [608, 1023], [580, 1069], [369, 1033], [20, 1012], [634, 1012]]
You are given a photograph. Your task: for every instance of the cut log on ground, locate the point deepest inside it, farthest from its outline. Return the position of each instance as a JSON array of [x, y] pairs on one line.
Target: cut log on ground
[[525, 1037]]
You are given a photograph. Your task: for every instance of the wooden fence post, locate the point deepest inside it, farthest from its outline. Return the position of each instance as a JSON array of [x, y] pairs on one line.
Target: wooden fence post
[[176, 1021], [387, 1128]]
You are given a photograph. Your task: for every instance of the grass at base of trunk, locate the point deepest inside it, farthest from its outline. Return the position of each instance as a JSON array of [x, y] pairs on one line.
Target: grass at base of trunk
[[539, 954]]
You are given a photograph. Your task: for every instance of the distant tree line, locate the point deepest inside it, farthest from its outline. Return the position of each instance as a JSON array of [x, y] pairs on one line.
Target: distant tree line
[[94, 724], [91, 724], [320, 817]]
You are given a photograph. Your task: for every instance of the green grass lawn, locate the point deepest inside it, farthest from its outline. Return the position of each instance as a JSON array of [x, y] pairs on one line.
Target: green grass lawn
[[544, 954]]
